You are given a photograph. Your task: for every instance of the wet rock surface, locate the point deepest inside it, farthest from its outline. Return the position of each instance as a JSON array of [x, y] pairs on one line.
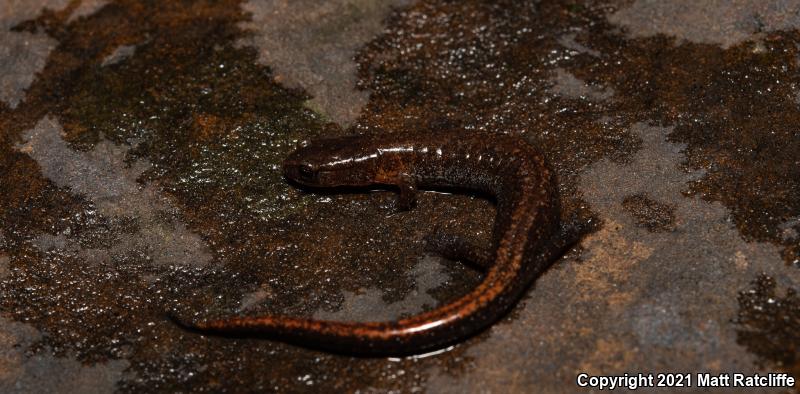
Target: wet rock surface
[[140, 151]]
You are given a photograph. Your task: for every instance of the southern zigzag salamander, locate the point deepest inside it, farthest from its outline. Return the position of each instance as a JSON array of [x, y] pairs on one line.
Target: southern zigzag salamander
[[526, 236]]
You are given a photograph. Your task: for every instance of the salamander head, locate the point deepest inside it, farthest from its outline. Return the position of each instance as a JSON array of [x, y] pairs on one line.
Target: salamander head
[[342, 161]]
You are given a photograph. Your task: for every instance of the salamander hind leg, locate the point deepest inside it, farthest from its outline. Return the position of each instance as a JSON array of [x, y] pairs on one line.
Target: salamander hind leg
[[455, 247]]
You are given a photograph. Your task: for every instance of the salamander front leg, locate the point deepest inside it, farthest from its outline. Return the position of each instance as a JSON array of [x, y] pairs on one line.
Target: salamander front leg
[[455, 247], [408, 194]]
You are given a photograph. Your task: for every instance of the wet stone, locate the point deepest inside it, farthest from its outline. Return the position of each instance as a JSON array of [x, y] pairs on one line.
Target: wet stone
[[141, 144], [768, 322], [649, 213]]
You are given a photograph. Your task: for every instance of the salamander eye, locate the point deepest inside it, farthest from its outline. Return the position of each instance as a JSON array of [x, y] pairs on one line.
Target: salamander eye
[[306, 172]]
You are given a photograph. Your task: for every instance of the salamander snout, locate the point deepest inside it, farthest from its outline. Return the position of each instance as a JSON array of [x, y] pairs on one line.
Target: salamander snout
[[333, 162], [303, 173]]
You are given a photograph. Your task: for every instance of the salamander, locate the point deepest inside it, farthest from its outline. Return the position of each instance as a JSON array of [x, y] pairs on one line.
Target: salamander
[[526, 237]]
